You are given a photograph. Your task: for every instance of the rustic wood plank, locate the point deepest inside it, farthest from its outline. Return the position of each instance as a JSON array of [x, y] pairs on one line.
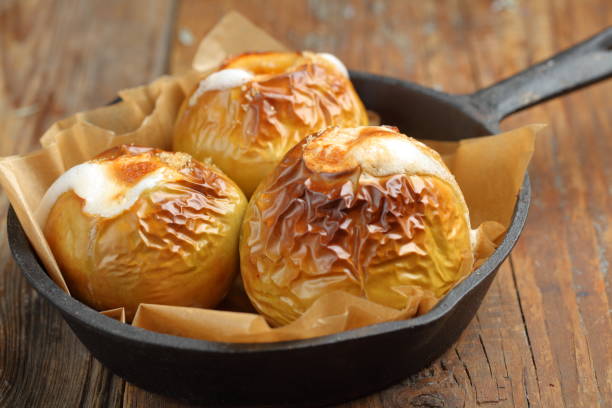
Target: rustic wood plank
[[57, 58], [546, 275], [495, 45], [555, 326], [547, 379], [574, 301], [136, 397], [589, 189], [542, 336]]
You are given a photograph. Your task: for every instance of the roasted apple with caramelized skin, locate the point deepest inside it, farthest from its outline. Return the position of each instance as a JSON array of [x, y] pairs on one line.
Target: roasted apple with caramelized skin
[[141, 225], [257, 106], [364, 210]]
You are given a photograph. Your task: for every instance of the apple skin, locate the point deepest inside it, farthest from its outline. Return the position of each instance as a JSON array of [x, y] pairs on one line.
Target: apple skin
[[176, 245], [246, 130], [394, 239]]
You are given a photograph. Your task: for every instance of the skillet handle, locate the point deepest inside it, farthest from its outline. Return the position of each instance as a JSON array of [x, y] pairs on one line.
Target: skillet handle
[[578, 66]]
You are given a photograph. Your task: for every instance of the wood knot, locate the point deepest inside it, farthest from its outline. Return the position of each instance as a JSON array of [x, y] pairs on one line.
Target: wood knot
[[433, 400]]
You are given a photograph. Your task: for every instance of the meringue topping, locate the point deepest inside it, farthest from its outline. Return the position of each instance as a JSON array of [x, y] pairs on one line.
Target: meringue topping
[[335, 61], [221, 80], [379, 151], [105, 195]]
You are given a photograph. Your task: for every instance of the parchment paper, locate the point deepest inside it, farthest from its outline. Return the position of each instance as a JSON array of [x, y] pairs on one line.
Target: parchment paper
[[117, 314], [489, 170]]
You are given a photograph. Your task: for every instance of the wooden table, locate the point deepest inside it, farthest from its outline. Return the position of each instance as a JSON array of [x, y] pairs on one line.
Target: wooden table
[[543, 336]]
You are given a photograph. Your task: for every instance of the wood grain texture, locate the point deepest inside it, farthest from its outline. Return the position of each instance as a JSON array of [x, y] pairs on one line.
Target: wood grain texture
[[543, 336], [57, 58]]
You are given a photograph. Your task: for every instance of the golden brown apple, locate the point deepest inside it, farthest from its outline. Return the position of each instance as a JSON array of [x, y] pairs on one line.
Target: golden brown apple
[[141, 225], [257, 106], [364, 210]]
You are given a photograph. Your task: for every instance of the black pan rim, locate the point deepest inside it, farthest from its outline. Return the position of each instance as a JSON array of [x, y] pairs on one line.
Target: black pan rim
[[72, 309]]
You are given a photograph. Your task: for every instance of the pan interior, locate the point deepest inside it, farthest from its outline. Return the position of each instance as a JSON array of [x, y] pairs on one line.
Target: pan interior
[[420, 112]]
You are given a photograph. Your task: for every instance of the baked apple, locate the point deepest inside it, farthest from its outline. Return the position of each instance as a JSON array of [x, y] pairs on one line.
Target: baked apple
[[364, 210], [141, 225], [256, 106]]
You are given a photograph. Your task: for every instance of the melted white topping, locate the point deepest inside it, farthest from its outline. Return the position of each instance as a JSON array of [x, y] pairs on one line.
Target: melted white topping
[[336, 62], [474, 237], [221, 80], [384, 156], [104, 196]]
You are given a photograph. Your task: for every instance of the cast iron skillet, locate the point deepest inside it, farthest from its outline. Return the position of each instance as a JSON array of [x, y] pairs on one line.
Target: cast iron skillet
[[347, 365]]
